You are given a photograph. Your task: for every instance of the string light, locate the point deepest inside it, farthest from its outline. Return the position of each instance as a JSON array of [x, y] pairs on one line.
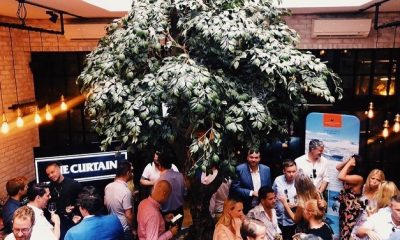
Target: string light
[[385, 131], [4, 125], [396, 125], [20, 121], [48, 115], [370, 112], [63, 105], [37, 117]]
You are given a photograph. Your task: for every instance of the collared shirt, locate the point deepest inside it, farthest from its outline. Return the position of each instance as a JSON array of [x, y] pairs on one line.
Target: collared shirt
[[320, 167], [42, 229], [381, 223], [152, 173], [259, 213], [256, 178], [151, 225], [282, 187], [175, 199], [117, 198]]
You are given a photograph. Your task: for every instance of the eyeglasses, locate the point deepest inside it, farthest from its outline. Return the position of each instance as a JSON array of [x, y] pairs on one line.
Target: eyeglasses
[[314, 173], [23, 230]]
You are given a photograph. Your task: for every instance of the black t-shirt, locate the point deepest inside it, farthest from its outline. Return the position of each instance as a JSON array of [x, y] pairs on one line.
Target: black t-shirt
[[64, 193], [324, 232]]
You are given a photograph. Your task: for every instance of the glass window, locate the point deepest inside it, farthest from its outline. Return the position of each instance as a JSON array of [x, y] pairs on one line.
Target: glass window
[[362, 85], [380, 86]]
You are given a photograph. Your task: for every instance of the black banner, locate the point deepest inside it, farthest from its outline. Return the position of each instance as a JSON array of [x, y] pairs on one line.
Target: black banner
[[82, 167]]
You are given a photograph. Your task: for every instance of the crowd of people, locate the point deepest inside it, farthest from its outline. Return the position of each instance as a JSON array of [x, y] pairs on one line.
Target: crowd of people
[[250, 206]]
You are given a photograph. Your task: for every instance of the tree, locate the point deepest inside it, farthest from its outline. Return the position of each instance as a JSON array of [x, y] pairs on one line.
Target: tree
[[212, 74]]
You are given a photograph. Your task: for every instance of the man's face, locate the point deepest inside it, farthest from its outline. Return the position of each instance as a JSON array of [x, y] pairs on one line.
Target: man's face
[[22, 228], [43, 200], [24, 191], [395, 206], [290, 173], [316, 153], [253, 159], [53, 172], [269, 201]]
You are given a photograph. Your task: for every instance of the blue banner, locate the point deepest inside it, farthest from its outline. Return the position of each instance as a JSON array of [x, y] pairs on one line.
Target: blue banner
[[82, 167]]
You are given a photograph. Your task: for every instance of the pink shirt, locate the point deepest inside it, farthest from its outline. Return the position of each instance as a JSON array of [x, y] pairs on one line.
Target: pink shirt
[[151, 225]]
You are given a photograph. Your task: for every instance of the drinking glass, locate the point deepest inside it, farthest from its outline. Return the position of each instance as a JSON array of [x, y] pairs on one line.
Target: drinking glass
[[52, 208]]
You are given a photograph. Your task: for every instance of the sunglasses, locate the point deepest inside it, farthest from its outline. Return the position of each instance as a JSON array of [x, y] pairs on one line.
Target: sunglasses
[[287, 196], [314, 173]]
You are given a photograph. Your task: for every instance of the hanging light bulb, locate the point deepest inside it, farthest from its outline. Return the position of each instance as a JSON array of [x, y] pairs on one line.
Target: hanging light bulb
[[63, 105], [4, 125], [48, 115], [20, 120], [370, 112], [37, 117], [396, 125], [385, 131]]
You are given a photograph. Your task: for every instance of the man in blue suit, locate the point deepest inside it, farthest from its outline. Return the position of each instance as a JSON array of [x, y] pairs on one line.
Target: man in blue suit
[[93, 225], [251, 176]]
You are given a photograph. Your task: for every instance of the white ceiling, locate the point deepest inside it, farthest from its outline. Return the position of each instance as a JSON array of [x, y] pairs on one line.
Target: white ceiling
[[81, 8]]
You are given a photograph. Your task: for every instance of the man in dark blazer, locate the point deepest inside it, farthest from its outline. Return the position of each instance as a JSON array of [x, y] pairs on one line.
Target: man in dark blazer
[[251, 176]]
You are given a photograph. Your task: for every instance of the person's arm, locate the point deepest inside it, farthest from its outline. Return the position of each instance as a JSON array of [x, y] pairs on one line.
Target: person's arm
[[240, 191], [146, 182], [295, 216], [323, 186], [129, 217], [341, 165], [56, 230], [349, 179]]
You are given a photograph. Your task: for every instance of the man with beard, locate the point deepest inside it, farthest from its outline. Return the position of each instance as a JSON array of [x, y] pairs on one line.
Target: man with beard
[[251, 176]]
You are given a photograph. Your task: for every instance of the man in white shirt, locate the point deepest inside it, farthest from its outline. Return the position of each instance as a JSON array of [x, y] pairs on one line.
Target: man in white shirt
[[265, 212], [384, 223], [152, 172], [315, 165], [39, 195], [284, 185], [23, 220]]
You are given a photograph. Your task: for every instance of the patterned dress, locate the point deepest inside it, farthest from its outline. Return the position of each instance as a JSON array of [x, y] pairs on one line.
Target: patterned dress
[[350, 209]]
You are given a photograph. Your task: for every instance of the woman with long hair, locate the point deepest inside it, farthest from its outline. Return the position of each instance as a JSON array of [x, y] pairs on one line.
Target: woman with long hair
[[228, 225], [386, 191], [350, 206], [306, 190], [314, 212], [368, 199]]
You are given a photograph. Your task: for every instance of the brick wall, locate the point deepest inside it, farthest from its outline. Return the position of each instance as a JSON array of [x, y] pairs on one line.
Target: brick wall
[[303, 25], [16, 148]]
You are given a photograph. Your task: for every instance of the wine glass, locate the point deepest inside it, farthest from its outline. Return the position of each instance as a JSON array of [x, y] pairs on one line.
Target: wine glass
[[52, 208]]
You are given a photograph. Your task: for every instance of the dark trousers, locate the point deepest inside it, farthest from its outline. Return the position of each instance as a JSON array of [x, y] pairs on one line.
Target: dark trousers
[[287, 231]]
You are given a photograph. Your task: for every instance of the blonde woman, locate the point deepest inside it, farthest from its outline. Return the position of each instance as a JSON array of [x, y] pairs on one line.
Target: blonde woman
[[314, 212], [306, 190], [386, 191], [228, 226], [368, 198]]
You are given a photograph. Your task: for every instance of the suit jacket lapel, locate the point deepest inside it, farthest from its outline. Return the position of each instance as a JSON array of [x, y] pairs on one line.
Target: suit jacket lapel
[[249, 179]]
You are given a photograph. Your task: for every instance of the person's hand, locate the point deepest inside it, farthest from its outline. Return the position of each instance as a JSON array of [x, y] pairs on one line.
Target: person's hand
[[236, 224], [255, 193], [68, 209], [174, 230], [297, 236], [168, 217], [76, 219], [282, 198], [55, 218]]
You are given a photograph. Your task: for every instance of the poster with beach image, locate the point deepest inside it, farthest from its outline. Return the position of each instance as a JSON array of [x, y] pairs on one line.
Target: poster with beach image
[[341, 136]]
